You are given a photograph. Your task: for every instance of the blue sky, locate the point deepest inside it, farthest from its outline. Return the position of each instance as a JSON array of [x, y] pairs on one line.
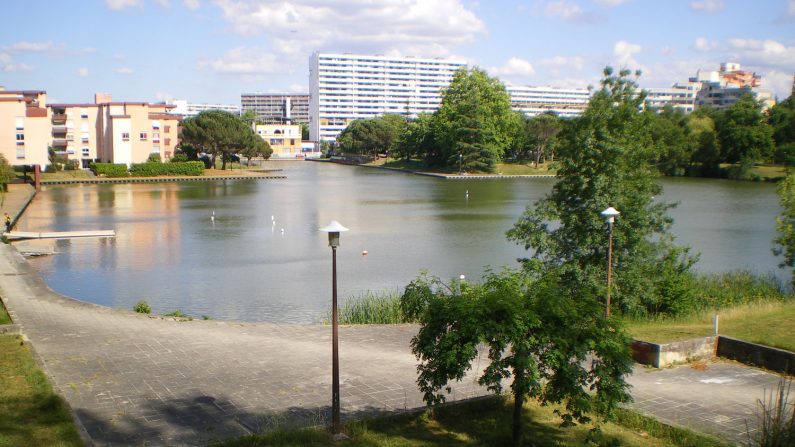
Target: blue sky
[[214, 50]]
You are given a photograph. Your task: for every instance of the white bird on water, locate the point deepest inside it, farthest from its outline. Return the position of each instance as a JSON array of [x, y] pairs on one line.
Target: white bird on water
[[282, 230], [212, 216]]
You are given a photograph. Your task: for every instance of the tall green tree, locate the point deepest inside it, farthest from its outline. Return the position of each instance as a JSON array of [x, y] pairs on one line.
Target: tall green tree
[[474, 98], [784, 243], [703, 138], [538, 334], [605, 160], [669, 136], [370, 136], [216, 132], [544, 128], [417, 140], [255, 146], [744, 134]]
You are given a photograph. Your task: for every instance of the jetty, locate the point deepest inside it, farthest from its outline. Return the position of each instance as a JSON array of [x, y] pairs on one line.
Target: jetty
[[17, 235]]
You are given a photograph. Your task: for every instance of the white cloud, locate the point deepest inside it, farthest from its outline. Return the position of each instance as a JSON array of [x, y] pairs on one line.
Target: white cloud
[[246, 61], [164, 96], [7, 64], [564, 10], [124, 71], [703, 45], [54, 50], [765, 53], [164, 3], [708, 6], [624, 53], [191, 4], [428, 28], [513, 67], [82, 72], [118, 5], [610, 3], [791, 8], [297, 88], [573, 62], [779, 82]]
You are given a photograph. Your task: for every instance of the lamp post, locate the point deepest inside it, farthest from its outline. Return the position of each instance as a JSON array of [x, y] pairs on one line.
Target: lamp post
[[334, 229], [610, 215], [460, 165]]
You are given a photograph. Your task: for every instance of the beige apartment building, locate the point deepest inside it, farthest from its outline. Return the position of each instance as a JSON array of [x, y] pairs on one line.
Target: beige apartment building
[[106, 131], [24, 126], [284, 139]]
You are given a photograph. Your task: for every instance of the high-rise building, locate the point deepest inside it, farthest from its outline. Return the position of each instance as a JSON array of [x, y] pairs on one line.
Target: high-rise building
[[277, 108], [187, 109], [347, 87], [725, 87], [564, 102]]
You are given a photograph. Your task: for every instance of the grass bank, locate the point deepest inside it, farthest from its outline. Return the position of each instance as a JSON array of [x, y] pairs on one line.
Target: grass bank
[[501, 168], [483, 422], [767, 323], [30, 411], [4, 317]]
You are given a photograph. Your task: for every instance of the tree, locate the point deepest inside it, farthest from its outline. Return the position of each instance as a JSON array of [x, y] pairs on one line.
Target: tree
[[785, 224], [744, 135], [216, 132], [6, 174], [605, 160], [705, 152], [255, 146], [669, 135], [544, 128], [474, 98], [249, 117], [369, 136], [304, 131], [417, 140]]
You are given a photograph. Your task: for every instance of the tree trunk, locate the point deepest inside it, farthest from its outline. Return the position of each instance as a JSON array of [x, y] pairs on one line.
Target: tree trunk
[[223, 162], [518, 404]]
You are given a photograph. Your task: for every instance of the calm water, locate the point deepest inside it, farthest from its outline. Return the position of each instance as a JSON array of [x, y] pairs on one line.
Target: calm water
[[241, 266]]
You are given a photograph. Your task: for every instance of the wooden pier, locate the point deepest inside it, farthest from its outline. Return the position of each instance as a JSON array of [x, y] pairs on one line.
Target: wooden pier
[[17, 235]]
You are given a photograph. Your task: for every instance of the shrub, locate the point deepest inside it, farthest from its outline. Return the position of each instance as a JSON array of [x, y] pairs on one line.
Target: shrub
[[71, 165], [110, 169], [371, 308], [179, 157], [142, 307], [149, 169], [776, 419], [154, 158], [719, 290]]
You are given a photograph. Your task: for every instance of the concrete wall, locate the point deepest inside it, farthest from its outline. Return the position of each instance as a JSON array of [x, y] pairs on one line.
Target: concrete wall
[[750, 353], [662, 355]]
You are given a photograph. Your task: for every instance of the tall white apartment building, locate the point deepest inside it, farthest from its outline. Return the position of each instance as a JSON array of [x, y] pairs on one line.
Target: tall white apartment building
[[564, 102], [187, 109], [347, 87]]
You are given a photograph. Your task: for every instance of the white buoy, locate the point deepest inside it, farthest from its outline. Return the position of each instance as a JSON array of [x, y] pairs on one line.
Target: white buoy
[[212, 216], [364, 253], [282, 230], [462, 277]]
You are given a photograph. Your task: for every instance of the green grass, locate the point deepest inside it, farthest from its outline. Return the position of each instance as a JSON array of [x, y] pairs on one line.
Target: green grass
[[502, 168], [64, 175], [525, 169], [761, 322], [30, 412], [485, 422], [4, 317], [370, 308]]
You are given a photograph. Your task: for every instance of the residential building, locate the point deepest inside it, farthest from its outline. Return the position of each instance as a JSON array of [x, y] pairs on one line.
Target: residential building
[[187, 109], [347, 87], [725, 87], [679, 96], [284, 139], [564, 102], [277, 108], [24, 127]]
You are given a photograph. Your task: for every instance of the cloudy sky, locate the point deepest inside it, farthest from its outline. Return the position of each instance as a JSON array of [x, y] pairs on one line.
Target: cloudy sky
[[214, 50]]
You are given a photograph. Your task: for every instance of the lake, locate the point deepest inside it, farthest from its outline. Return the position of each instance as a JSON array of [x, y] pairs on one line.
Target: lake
[[242, 266]]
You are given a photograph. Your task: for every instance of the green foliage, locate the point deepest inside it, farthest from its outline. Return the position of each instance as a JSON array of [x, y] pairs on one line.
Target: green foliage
[[179, 157], [154, 158], [744, 134], [254, 146], [475, 118], [417, 140], [110, 169], [371, 308], [722, 290], [537, 332], [371, 136], [782, 119], [71, 165], [149, 169], [217, 132], [775, 419], [785, 224], [142, 307], [604, 160], [672, 145], [6, 172], [177, 314]]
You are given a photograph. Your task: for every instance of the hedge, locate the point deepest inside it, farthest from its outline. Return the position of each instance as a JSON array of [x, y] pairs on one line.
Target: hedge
[[194, 168], [110, 169]]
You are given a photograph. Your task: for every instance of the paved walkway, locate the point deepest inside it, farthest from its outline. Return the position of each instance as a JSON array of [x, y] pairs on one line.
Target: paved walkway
[[133, 379]]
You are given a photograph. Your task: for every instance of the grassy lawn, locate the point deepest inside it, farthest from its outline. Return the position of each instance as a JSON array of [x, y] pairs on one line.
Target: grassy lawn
[[502, 168], [65, 175], [770, 172], [30, 412], [765, 323], [483, 422], [4, 318]]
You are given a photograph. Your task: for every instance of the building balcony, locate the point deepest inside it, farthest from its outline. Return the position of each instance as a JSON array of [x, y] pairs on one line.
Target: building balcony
[[59, 118], [59, 142], [59, 128]]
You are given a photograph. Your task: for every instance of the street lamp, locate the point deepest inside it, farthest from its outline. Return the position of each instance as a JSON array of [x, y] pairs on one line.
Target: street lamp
[[460, 161], [610, 215], [334, 229]]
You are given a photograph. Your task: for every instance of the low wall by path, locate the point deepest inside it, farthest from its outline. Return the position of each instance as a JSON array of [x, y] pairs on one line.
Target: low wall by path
[[766, 357]]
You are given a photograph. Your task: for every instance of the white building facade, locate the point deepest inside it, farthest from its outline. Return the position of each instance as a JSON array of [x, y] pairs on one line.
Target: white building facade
[[347, 87], [186, 109], [564, 102]]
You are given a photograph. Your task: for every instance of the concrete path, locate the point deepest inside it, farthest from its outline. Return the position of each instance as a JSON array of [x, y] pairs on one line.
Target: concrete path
[[134, 380]]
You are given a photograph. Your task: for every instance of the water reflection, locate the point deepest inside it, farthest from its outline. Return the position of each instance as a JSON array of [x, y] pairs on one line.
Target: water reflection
[[240, 265]]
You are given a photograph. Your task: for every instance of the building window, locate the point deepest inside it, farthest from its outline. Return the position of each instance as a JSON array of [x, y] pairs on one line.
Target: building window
[[292, 142], [125, 136], [86, 152], [168, 141], [167, 129], [83, 113], [84, 137], [156, 150], [155, 137], [142, 136], [155, 124], [20, 123], [70, 137], [21, 151], [20, 137], [275, 142]]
